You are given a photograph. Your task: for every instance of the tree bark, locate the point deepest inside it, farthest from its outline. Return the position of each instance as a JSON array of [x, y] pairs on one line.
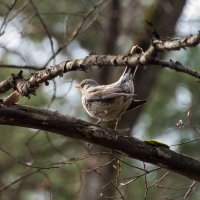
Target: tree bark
[[30, 117]]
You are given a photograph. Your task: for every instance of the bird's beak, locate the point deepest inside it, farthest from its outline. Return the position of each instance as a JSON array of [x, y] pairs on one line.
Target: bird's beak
[[77, 86]]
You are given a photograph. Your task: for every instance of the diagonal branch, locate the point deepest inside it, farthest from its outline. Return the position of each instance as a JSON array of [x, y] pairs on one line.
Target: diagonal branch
[[43, 76], [30, 117]]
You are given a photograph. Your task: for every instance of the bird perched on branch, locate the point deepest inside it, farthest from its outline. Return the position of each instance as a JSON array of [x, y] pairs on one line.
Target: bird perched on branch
[[109, 102]]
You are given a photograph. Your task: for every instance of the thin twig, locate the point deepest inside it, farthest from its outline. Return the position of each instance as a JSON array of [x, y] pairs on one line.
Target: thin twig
[[190, 190], [118, 190], [19, 179]]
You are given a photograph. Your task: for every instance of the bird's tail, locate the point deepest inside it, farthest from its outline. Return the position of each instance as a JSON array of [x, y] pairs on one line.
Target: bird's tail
[[128, 74], [136, 103], [131, 71], [127, 78]]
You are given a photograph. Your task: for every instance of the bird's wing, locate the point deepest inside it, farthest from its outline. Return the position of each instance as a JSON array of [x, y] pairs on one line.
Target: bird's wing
[[114, 95], [136, 103], [105, 93], [105, 89], [105, 96]]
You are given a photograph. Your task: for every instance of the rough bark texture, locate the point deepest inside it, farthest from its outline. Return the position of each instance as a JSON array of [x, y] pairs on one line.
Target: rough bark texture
[[25, 87], [30, 117]]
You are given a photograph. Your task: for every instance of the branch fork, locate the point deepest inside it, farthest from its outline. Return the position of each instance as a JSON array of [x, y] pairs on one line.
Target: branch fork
[[136, 57]]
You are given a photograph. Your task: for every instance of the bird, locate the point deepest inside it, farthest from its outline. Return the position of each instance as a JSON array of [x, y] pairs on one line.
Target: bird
[[109, 102]]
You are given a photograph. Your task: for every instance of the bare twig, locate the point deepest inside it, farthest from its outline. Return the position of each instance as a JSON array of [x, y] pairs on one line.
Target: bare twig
[[117, 189], [26, 164], [44, 26], [100, 166], [3, 25], [190, 190], [146, 184], [177, 66], [133, 179], [19, 179], [128, 164], [86, 22], [26, 67]]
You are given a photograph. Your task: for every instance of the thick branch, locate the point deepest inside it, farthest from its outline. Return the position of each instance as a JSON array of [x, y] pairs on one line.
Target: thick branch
[[31, 84], [67, 126], [43, 76], [25, 87]]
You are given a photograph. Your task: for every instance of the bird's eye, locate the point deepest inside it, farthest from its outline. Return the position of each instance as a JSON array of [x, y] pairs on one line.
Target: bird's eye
[[82, 84]]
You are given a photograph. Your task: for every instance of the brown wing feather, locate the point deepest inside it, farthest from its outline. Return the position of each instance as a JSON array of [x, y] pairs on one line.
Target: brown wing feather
[[104, 93]]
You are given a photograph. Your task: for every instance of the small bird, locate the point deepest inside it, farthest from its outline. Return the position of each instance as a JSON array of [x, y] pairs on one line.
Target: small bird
[[109, 102]]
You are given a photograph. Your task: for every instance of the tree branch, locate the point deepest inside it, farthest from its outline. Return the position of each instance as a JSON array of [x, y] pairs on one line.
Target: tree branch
[[76, 65], [25, 87], [176, 44], [177, 66], [30, 117]]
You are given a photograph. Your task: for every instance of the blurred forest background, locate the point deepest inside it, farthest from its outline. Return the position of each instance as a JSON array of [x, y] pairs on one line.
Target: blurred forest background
[[41, 33]]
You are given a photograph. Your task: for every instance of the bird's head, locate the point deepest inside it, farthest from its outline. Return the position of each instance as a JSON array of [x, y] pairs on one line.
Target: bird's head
[[86, 84]]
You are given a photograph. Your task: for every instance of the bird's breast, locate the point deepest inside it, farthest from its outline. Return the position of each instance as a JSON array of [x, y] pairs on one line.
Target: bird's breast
[[107, 109]]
